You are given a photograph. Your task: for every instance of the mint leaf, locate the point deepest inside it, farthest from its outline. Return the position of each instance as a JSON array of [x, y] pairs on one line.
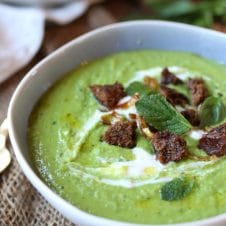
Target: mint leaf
[[176, 189], [161, 115], [137, 87], [212, 111]]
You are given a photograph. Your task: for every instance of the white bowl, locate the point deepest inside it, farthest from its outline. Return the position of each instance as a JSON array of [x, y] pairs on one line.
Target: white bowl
[[104, 41]]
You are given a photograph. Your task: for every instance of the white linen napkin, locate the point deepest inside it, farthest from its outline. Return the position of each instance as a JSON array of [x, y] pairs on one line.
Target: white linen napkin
[[22, 31]]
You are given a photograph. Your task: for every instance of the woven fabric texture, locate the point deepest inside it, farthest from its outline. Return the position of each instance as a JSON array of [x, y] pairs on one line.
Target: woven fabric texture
[[21, 204]]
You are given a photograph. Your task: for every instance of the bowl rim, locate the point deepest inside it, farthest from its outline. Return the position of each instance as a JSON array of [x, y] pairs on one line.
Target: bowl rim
[[53, 198]]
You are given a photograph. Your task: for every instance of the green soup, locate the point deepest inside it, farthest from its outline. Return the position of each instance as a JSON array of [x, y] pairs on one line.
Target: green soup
[[113, 182]]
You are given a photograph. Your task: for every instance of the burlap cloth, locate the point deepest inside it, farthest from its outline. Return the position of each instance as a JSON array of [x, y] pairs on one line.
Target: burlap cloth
[[21, 204]]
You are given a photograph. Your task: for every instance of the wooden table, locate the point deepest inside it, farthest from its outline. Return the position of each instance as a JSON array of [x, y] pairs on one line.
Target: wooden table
[[56, 36]]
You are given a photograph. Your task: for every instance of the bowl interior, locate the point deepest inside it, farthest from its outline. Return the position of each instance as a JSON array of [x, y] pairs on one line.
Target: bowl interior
[[108, 40]]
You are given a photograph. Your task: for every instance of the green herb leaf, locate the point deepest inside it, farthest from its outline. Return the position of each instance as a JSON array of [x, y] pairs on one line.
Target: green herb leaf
[[161, 115], [137, 87], [212, 111], [176, 189]]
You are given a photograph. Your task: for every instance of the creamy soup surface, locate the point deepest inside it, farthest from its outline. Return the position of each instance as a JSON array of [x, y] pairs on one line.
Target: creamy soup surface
[[127, 184]]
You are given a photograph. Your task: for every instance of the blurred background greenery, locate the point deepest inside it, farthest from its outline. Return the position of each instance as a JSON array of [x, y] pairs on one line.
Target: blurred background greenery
[[205, 13]]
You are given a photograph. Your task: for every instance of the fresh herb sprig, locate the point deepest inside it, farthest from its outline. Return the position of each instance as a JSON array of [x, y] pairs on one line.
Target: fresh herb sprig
[[137, 87], [212, 111], [161, 115], [176, 189]]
